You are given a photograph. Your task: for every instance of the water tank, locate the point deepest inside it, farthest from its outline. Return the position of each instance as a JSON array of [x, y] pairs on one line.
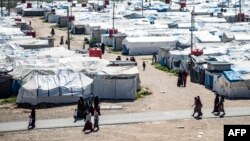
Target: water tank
[[30, 33], [53, 10], [29, 5], [167, 1], [106, 2], [197, 52], [84, 5], [18, 19], [112, 31], [183, 4], [33, 33], [95, 52], [71, 18], [241, 17]]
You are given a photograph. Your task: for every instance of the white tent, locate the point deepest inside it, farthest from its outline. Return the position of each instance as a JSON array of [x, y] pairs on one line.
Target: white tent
[[234, 84], [120, 82], [64, 86], [146, 45], [175, 56]]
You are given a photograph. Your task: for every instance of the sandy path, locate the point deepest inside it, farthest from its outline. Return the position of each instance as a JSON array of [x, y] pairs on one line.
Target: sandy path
[[173, 98]]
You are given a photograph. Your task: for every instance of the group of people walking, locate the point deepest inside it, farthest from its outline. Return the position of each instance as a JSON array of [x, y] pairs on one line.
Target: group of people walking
[[87, 108], [197, 106], [218, 106], [182, 78]]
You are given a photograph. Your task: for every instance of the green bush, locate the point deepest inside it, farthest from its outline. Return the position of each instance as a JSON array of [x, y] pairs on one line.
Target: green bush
[[8, 100], [166, 69], [142, 93]]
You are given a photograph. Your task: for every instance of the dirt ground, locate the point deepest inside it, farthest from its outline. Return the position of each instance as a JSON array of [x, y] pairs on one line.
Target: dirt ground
[[166, 96], [189, 130]]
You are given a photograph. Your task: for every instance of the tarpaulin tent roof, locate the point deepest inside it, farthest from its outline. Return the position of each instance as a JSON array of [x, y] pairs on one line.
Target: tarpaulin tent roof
[[119, 71], [87, 65], [208, 38], [63, 86], [117, 82], [232, 76]]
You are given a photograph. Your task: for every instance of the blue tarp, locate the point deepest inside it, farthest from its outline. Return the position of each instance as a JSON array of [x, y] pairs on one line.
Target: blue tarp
[[125, 50], [232, 76], [209, 80]]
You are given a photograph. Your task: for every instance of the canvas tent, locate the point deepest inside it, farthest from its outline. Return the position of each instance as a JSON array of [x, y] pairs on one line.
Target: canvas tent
[[63, 86], [119, 82], [146, 45], [234, 84]]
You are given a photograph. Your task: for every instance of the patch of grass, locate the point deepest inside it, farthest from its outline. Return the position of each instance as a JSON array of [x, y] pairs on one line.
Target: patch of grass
[[8, 100], [143, 92], [115, 52], [147, 59], [109, 50], [63, 29], [166, 69], [53, 26]]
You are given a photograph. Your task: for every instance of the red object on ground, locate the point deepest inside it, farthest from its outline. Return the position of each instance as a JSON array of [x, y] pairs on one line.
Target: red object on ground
[[183, 4], [71, 18], [18, 19], [95, 52], [106, 2], [241, 17], [197, 52], [112, 31], [30, 33], [84, 5], [167, 1], [29, 5]]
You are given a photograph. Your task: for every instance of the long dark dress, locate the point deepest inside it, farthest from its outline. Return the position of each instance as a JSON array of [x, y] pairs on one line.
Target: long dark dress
[[33, 116], [180, 80], [216, 104], [97, 105]]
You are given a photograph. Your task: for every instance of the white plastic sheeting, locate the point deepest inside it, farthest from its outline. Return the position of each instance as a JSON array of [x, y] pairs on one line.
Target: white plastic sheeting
[[117, 83], [63, 86], [87, 65], [147, 45], [233, 89]]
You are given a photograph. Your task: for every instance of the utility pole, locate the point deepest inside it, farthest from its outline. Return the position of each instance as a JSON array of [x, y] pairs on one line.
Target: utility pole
[[192, 29], [68, 28], [142, 8], [1, 8], [240, 6], [9, 7], [71, 4], [113, 15], [240, 12]]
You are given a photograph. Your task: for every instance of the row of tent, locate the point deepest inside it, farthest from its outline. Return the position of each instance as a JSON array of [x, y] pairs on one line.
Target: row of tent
[[221, 67], [57, 75]]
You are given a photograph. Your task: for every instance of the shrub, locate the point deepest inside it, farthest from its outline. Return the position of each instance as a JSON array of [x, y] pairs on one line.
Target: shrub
[[142, 93], [8, 100]]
